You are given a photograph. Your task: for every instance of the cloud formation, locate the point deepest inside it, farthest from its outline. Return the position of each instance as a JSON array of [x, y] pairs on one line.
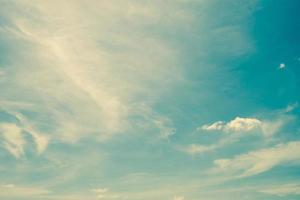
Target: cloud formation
[[198, 148], [13, 139], [248, 125], [14, 136], [77, 73], [238, 124], [259, 161], [281, 66], [283, 190]]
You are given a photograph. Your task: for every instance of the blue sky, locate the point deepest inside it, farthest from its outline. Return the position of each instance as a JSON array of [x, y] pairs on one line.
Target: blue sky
[[170, 100]]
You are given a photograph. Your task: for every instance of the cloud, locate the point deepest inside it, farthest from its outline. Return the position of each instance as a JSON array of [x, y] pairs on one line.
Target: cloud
[[281, 66], [41, 140], [14, 134], [238, 124], [166, 130], [291, 107], [249, 125], [237, 128], [259, 161], [80, 74], [198, 149], [283, 190], [13, 139]]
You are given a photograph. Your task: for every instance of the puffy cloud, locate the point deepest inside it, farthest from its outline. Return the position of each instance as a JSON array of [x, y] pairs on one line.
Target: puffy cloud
[[259, 161], [238, 124], [241, 125]]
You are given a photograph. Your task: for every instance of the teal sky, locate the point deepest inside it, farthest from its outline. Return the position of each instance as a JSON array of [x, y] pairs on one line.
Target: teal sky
[[143, 100]]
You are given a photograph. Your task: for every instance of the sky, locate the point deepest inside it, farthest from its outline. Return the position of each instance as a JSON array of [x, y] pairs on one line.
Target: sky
[[143, 100]]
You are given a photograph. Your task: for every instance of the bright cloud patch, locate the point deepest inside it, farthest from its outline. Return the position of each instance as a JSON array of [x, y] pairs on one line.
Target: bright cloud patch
[[281, 66], [243, 125], [236, 125]]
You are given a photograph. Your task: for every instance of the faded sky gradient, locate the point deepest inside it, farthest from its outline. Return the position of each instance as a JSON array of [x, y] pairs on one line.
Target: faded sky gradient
[[143, 100]]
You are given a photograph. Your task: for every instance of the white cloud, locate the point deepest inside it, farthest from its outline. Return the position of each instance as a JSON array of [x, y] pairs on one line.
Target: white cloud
[[13, 139], [281, 66], [283, 190], [219, 125], [236, 128], [259, 161], [236, 125], [244, 125]]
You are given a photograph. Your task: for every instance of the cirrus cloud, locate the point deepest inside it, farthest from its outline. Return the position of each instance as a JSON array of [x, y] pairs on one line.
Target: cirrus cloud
[[259, 161]]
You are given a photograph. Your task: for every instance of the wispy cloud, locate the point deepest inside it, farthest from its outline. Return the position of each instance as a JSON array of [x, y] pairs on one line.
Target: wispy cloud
[[13, 139], [198, 148], [14, 135], [8, 191], [259, 161], [283, 190], [83, 74]]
